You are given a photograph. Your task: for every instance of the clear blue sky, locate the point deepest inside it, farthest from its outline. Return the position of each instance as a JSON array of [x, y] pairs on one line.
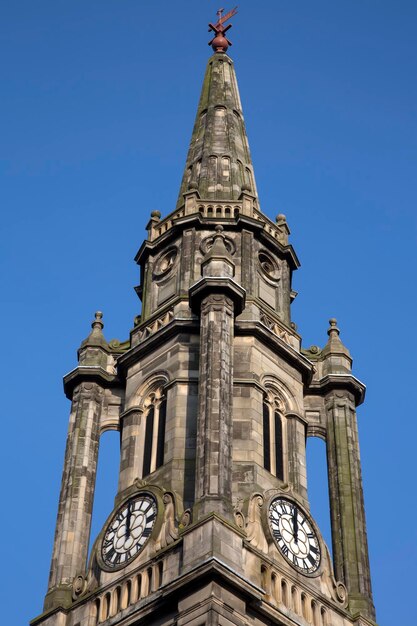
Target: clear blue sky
[[96, 111]]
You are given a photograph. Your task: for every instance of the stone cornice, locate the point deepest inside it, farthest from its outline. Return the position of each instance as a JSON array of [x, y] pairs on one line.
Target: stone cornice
[[91, 374], [199, 221], [334, 382], [177, 325], [217, 285]]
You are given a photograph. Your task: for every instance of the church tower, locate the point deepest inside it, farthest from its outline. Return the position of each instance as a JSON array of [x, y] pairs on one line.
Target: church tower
[[214, 398]]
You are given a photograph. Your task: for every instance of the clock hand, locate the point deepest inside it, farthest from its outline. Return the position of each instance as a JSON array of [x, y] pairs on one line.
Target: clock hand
[[295, 524], [128, 517]]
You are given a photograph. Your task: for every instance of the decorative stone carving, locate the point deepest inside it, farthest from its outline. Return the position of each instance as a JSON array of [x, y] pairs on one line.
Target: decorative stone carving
[[268, 266], [254, 529], [79, 585], [207, 244], [186, 518], [119, 346], [165, 263], [239, 517], [275, 328], [169, 531], [155, 325]]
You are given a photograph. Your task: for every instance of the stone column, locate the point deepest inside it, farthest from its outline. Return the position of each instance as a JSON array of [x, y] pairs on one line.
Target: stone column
[[213, 489], [350, 546], [72, 533]]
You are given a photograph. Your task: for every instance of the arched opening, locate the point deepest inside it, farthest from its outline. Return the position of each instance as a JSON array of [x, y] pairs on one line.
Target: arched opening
[[105, 607], [147, 446], [225, 169], [150, 580], [96, 611], [160, 572], [154, 432], [212, 170], [264, 578], [267, 437], [279, 451], [284, 592], [125, 599], [275, 588], [315, 613], [294, 599], [106, 481], [115, 602], [304, 606], [318, 487], [273, 436]]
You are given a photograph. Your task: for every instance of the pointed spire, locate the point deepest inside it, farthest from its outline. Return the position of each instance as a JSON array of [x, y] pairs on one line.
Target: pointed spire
[[96, 337], [337, 356], [219, 164], [94, 349]]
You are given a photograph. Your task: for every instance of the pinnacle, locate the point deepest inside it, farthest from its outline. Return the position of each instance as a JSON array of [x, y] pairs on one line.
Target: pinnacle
[[96, 337], [338, 359]]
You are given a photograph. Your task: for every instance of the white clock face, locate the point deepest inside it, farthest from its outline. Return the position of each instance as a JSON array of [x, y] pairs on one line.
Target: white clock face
[[128, 531], [294, 535]]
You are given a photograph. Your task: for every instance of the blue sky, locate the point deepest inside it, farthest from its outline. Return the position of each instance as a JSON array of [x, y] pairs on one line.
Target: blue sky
[[96, 111]]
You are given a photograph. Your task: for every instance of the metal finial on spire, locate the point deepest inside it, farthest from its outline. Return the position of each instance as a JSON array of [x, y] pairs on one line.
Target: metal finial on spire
[[220, 43]]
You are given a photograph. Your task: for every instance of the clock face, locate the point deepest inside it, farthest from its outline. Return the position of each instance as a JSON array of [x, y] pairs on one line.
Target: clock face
[[294, 535], [128, 531]]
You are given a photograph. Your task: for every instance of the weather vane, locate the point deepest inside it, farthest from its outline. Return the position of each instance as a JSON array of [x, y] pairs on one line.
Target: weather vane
[[220, 43]]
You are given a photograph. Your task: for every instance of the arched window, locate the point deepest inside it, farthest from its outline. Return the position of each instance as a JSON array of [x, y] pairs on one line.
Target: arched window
[[273, 436], [154, 437]]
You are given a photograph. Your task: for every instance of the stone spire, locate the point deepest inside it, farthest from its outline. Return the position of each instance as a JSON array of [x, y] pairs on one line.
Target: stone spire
[[94, 350], [218, 164], [337, 359]]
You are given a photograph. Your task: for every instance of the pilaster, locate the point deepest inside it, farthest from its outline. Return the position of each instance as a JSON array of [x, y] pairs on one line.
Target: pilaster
[[213, 490], [72, 534], [349, 539]]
